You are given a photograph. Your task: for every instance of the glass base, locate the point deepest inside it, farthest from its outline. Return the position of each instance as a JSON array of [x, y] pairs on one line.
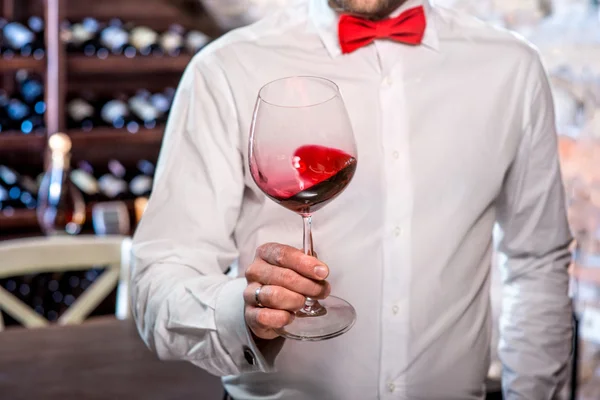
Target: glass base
[[339, 316]]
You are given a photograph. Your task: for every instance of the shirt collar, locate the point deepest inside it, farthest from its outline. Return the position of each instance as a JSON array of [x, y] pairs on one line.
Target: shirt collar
[[326, 21]]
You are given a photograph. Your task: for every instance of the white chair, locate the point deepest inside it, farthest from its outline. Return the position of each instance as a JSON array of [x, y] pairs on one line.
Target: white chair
[[67, 253]]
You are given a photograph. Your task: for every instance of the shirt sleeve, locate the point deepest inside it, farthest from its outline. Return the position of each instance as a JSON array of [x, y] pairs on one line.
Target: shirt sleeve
[[536, 322], [184, 305]]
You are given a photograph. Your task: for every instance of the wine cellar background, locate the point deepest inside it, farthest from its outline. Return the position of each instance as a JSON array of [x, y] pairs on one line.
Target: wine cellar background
[[65, 75]]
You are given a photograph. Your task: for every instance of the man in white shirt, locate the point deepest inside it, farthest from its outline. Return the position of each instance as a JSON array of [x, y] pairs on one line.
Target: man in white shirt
[[455, 132]]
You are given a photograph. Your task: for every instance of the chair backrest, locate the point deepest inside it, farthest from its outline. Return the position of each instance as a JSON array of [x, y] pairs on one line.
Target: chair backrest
[[61, 254]]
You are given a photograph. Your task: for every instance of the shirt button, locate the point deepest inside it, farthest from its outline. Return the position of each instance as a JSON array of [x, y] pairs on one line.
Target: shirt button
[[388, 81], [395, 309], [391, 387], [398, 231], [249, 356], [396, 155]]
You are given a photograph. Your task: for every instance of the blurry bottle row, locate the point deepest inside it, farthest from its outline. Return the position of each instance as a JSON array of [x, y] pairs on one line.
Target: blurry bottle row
[[95, 38], [144, 109], [95, 183], [23, 110], [22, 39], [50, 294]]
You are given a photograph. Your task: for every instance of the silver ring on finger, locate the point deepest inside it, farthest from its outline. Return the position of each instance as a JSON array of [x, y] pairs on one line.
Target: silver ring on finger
[[256, 295]]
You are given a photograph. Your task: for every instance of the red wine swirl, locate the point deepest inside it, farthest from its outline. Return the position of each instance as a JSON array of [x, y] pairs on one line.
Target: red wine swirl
[[319, 175]]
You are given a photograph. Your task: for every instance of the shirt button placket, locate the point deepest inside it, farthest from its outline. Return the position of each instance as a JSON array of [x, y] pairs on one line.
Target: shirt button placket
[[391, 90]]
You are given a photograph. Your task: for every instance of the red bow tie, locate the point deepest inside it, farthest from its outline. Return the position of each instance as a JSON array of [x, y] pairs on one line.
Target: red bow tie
[[408, 28]]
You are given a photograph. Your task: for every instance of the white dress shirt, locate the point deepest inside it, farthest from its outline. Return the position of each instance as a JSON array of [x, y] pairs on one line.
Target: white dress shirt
[[452, 136]]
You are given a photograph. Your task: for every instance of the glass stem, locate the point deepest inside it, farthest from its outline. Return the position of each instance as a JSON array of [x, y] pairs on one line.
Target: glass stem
[[311, 306]]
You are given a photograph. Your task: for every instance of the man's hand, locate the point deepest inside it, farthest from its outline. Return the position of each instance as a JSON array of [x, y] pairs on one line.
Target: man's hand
[[287, 277]]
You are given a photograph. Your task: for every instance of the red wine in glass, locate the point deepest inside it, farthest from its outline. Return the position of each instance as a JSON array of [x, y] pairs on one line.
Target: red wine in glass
[[320, 174], [302, 155]]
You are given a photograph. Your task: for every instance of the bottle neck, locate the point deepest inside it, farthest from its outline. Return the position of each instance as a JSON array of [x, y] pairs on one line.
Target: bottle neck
[[56, 178], [59, 163]]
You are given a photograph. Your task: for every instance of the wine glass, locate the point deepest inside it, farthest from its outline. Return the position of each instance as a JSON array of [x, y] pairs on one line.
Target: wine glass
[[302, 155]]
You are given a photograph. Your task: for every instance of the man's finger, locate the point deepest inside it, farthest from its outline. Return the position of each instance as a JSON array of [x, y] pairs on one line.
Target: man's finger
[[294, 259], [275, 297], [267, 318], [268, 274]]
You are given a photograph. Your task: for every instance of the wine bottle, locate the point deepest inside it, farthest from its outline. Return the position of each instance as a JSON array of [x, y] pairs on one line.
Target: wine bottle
[[80, 37], [195, 41], [81, 115], [61, 208], [17, 113], [20, 189], [30, 91], [21, 118], [114, 38], [87, 184], [36, 24], [172, 42], [115, 113], [162, 104], [112, 187], [84, 178], [7, 204], [85, 166], [141, 185], [29, 87], [33, 123], [117, 169], [143, 110], [18, 39], [145, 40], [146, 167], [113, 184]]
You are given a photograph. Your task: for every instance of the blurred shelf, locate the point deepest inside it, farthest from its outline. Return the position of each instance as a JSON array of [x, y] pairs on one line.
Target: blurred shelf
[[26, 220], [11, 142], [19, 219], [81, 64], [18, 62], [111, 137], [19, 142]]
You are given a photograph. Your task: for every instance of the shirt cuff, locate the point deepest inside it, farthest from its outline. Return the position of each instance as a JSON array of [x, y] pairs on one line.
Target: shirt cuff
[[235, 336]]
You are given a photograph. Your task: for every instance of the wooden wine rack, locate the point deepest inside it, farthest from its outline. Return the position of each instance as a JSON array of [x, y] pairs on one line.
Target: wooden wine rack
[[67, 73]]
